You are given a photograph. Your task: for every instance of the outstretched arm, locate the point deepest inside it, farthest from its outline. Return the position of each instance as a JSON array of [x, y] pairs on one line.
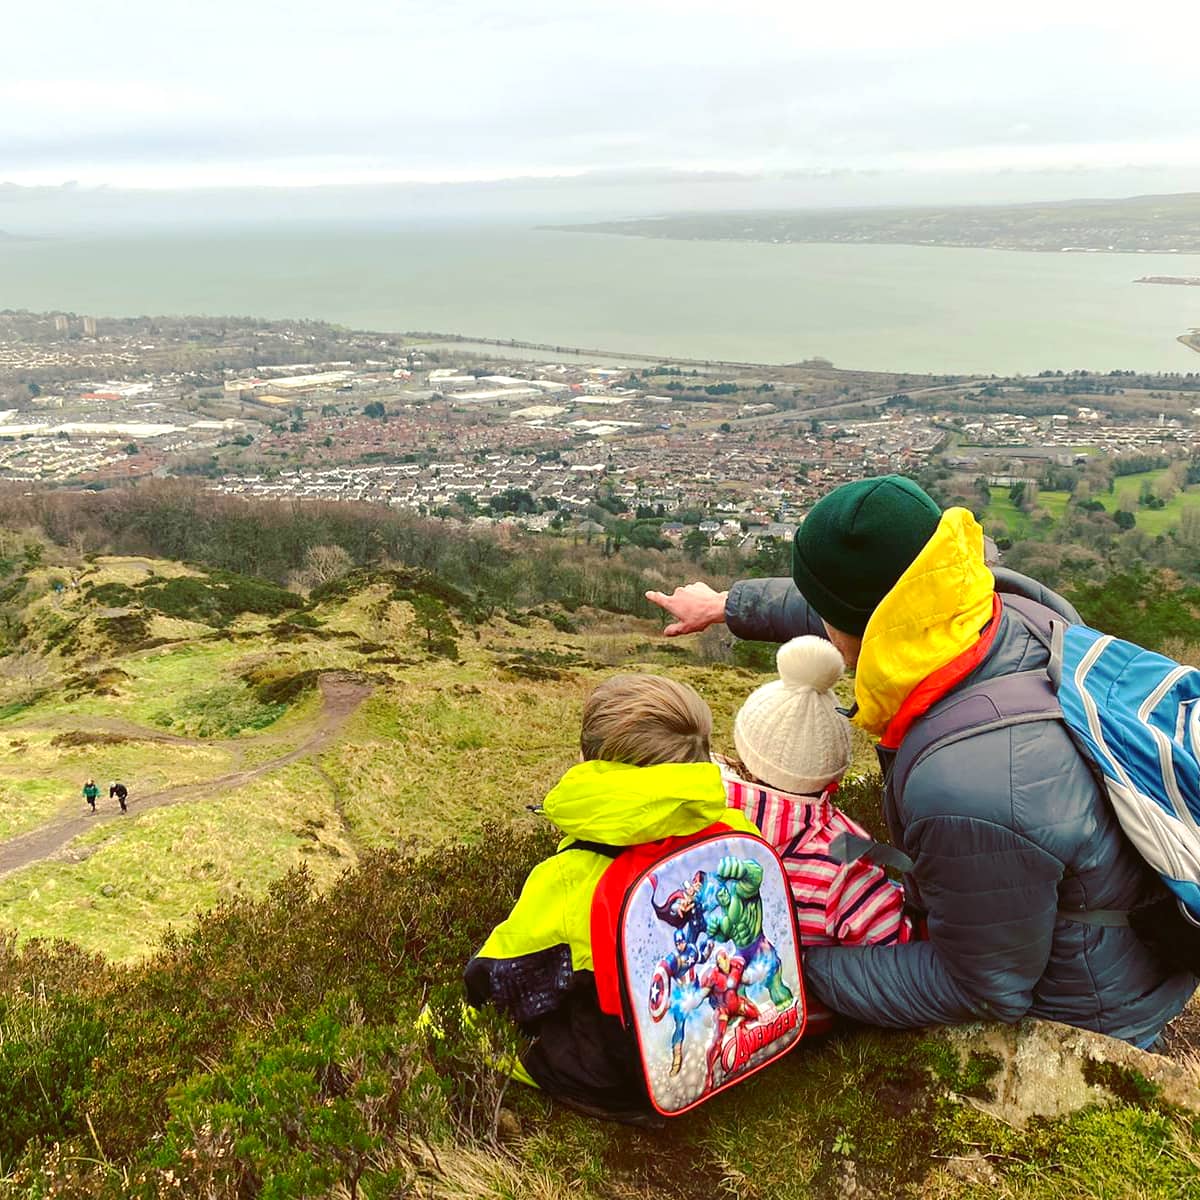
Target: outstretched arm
[[766, 610], [770, 610], [993, 900], [695, 606]]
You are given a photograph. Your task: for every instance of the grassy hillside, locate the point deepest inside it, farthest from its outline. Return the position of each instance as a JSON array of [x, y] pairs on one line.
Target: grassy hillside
[[258, 992], [196, 710], [1151, 520]]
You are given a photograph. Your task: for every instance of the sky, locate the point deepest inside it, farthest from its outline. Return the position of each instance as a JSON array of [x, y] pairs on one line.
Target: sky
[[252, 94]]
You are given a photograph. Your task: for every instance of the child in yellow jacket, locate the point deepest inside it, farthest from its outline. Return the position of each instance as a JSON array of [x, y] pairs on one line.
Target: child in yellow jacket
[[647, 774]]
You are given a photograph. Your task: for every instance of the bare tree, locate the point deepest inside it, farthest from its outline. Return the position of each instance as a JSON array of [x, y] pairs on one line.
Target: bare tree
[[323, 564]]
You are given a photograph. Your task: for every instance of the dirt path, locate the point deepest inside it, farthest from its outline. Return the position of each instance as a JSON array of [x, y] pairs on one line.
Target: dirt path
[[116, 725], [341, 695]]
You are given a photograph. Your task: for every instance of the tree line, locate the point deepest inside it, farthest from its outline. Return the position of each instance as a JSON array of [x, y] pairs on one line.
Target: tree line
[[275, 540]]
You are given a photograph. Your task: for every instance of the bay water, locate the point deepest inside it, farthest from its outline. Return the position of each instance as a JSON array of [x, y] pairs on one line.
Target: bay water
[[878, 307]]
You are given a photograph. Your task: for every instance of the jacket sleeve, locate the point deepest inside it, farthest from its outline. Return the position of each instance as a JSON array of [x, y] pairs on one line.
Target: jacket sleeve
[[769, 610], [865, 908], [525, 967], [992, 902]]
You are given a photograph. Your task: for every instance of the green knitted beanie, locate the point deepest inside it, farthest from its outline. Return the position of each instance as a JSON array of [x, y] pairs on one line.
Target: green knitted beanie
[[855, 544]]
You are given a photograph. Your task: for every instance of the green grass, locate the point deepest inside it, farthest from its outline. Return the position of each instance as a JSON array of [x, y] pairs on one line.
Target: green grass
[[39, 780], [27, 803], [1152, 521], [436, 760], [160, 679], [147, 872], [222, 711]]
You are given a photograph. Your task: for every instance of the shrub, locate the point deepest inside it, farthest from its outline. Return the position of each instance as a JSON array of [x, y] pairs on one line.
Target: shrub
[[125, 632], [222, 711], [111, 595], [756, 656], [379, 938], [46, 1050], [284, 689], [216, 599]]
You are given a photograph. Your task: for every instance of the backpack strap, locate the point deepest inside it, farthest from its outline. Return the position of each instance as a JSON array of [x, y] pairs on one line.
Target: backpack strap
[[604, 848], [991, 704], [1110, 918], [1045, 626], [1037, 618], [847, 848]]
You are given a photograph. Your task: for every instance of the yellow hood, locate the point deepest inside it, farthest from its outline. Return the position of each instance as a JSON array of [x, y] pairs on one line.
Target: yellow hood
[[934, 613], [619, 806], [625, 806]]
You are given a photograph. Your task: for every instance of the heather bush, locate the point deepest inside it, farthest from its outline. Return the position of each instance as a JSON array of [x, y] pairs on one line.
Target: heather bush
[[47, 1044], [285, 1032]]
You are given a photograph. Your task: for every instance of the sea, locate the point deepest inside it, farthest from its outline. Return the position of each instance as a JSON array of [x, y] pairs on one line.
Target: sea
[[870, 307]]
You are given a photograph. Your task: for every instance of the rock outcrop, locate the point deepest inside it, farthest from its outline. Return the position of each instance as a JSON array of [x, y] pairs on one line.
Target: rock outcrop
[[1043, 1069]]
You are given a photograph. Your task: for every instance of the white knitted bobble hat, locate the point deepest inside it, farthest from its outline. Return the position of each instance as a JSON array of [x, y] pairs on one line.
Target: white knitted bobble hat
[[789, 733]]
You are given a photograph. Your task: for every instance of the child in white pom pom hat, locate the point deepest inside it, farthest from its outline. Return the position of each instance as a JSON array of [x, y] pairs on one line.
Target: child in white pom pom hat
[[793, 748]]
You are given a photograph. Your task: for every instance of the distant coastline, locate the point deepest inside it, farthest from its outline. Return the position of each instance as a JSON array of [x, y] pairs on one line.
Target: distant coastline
[[1180, 280], [1168, 224]]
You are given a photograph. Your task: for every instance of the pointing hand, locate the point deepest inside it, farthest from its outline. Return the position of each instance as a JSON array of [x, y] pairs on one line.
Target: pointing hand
[[694, 606]]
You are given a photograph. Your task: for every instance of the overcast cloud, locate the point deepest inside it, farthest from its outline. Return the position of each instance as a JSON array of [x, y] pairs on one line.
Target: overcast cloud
[[264, 93]]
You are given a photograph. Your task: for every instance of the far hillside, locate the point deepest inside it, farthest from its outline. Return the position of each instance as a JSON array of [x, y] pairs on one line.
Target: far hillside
[[1138, 224]]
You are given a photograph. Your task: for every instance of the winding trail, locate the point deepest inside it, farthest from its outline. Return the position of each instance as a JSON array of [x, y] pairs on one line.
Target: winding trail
[[341, 696]]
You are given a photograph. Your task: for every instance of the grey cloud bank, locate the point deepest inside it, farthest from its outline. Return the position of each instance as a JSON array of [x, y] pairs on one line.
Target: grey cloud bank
[[162, 95], [648, 104]]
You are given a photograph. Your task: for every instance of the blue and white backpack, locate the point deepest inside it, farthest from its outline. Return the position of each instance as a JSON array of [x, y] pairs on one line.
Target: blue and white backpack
[[1135, 717]]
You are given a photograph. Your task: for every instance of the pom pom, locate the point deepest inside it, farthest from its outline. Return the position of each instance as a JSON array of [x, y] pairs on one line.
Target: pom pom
[[809, 662]]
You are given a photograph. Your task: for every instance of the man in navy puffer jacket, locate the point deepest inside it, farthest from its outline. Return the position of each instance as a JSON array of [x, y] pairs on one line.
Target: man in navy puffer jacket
[[1007, 827]]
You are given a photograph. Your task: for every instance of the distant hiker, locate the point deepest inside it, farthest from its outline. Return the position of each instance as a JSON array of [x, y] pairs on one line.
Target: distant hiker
[[121, 792], [646, 775], [1013, 841], [90, 792], [793, 748]]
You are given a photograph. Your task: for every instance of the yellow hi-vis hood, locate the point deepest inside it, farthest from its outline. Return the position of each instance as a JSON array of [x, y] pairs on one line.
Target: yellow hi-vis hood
[[618, 805], [626, 806], [934, 613]]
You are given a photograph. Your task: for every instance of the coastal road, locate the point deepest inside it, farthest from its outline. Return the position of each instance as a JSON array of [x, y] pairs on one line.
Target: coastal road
[[877, 401]]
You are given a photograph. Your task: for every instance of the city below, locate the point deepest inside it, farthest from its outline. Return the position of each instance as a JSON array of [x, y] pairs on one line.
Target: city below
[[307, 411]]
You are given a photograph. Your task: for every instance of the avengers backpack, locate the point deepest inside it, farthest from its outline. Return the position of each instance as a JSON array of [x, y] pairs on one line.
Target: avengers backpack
[[696, 949]]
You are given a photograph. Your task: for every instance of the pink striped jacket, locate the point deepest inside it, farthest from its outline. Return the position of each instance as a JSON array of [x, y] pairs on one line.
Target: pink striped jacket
[[837, 904]]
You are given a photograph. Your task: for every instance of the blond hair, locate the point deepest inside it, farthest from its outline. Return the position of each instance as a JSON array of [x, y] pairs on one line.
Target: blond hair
[[644, 720]]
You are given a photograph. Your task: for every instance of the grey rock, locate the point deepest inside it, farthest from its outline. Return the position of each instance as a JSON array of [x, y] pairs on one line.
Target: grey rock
[[1049, 1070]]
